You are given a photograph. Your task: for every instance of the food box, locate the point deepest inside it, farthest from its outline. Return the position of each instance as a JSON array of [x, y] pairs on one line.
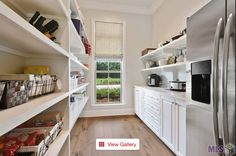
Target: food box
[[38, 70]]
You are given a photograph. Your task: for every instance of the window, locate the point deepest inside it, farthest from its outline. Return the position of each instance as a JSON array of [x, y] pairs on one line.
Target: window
[[108, 62], [108, 81]]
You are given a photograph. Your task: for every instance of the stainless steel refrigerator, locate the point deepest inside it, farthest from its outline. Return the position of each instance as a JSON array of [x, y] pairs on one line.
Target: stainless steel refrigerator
[[211, 117]]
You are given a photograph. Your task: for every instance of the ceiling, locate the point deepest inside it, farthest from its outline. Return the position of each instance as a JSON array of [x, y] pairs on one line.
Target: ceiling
[[128, 6]]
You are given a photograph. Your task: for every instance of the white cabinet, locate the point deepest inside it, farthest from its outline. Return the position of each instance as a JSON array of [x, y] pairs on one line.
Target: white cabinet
[[168, 121], [181, 131], [138, 101], [164, 115], [152, 110]]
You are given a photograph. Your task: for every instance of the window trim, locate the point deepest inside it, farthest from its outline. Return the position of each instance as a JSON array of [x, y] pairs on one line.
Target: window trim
[[93, 63]]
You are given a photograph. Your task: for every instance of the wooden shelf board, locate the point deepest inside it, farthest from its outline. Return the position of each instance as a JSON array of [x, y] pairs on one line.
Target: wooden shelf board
[[49, 7], [172, 45], [13, 117], [16, 33], [56, 146], [176, 65]]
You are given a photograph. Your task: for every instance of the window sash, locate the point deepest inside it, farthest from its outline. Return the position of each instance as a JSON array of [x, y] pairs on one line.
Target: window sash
[[108, 60]]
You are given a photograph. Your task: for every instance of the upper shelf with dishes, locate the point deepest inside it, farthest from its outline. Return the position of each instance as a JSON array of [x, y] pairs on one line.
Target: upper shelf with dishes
[[178, 43], [172, 54]]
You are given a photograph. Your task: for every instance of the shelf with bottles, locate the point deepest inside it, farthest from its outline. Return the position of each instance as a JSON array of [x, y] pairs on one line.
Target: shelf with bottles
[[77, 80], [17, 33], [159, 52]]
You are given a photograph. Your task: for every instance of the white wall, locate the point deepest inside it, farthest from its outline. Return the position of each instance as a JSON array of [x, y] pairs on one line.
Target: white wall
[[170, 18], [138, 37]]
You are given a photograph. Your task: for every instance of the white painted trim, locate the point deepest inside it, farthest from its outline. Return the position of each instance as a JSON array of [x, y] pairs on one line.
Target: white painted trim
[[146, 10], [107, 112]]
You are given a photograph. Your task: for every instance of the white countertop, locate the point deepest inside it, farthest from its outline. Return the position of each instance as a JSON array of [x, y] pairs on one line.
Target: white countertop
[[175, 94]]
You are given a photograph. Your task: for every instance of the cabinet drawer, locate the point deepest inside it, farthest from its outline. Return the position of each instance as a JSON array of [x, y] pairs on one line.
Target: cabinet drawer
[[153, 99], [153, 106], [153, 111], [152, 124], [152, 116]]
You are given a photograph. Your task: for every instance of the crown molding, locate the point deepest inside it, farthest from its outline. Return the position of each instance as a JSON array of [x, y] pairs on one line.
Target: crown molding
[[121, 8]]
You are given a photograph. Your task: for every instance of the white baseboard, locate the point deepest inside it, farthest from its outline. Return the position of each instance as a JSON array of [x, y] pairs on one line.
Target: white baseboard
[[110, 112]]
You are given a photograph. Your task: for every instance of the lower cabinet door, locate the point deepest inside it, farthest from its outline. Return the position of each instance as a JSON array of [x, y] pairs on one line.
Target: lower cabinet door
[[168, 123], [181, 143]]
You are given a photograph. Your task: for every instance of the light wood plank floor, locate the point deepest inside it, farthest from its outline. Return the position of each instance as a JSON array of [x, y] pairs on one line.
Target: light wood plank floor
[[86, 130]]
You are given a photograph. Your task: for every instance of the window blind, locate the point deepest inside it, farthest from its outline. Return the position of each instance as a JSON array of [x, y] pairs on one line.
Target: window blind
[[108, 39]]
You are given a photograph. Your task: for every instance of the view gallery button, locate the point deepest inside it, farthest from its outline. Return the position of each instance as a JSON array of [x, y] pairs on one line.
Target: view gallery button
[[117, 144]]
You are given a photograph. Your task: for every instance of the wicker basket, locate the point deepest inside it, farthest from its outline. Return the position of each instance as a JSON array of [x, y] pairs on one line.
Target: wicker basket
[[16, 89]]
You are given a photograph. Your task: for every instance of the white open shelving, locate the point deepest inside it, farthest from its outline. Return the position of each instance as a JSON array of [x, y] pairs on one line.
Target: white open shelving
[[75, 64], [178, 43], [13, 117], [56, 146], [20, 37], [76, 13], [22, 44], [76, 113], [49, 7], [79, 87], [176, 65], [76, 44]]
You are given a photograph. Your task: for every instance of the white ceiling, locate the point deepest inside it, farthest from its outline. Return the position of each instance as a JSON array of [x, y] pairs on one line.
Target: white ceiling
[[128, 6]]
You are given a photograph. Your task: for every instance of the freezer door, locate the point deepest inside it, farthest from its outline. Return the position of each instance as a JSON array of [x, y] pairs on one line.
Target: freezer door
[[231, 75], [201, 28], [200, 136]]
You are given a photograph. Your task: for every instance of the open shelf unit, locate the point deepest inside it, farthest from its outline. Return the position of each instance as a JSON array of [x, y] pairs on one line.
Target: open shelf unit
[[176, 65], [21, 44], [56, 146], [76, 13], [178, 43]]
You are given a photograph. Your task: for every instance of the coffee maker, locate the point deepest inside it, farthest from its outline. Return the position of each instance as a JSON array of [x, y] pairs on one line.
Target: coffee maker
[[154, 80]]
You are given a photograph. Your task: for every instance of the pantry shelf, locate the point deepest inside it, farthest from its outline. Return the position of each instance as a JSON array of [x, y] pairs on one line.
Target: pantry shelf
[[81, 106], [76, 44], [176, 65], [56, 146], [81, 86], [51, 7], [21, 38], [178, 43], [13, 117], [75, 64], [76, 13]]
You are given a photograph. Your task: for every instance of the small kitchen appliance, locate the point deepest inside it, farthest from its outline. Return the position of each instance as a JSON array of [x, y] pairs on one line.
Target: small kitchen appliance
[[154, 80], [177, 85]]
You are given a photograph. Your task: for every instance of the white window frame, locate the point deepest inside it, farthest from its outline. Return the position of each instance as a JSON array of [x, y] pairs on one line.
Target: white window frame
[[123, 69]]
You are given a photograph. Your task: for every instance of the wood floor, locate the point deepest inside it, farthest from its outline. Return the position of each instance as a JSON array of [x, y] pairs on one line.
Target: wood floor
[[87, 130]]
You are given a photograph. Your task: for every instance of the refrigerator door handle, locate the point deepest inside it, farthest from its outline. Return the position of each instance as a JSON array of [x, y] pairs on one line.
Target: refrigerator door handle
[[229, 31], [218, 35]]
